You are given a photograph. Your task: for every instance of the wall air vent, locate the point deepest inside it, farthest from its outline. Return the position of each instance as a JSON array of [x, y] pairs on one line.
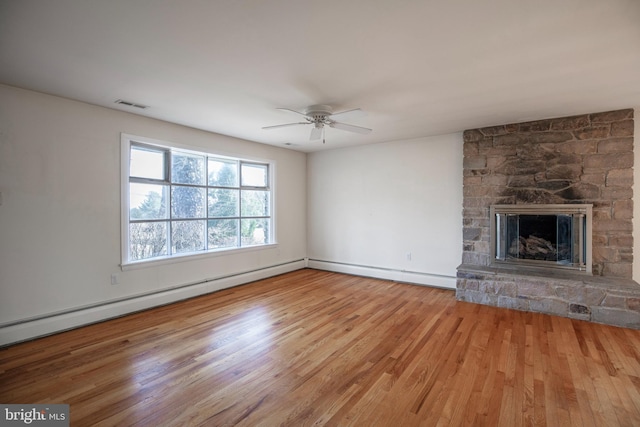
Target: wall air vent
[[131, 104]]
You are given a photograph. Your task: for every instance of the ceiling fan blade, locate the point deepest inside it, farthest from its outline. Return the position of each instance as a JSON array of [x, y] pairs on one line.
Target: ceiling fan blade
[[350, 128], [355, 112], [316, 133], [285, 125], [293, 111]]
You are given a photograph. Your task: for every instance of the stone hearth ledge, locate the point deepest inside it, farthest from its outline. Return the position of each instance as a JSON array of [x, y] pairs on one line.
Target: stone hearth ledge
[[608, 300]]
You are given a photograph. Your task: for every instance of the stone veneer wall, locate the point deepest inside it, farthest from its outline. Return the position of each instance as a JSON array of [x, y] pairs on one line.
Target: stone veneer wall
[[579, 159]]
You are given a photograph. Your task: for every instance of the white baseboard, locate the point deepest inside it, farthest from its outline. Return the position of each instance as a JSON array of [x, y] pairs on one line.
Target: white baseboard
[[57, 322], [434, 280]]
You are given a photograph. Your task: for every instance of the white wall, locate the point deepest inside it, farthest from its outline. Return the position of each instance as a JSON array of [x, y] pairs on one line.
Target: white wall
[[370, 206], [60, 214]]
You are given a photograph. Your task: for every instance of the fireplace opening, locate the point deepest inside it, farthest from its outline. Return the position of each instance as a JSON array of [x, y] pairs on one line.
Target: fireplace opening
[[538, 237], [542, 236]]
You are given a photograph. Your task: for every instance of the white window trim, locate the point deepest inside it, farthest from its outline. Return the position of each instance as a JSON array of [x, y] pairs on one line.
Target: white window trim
[[125, 144]]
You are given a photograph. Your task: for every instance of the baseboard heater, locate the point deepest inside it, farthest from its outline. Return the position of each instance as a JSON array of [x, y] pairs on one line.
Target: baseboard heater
[[404, 276], [55, 322]]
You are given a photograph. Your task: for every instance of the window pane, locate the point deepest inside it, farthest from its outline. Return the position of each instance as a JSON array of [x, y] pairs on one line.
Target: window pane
[[187, 168], [187, 236], [147, 163], [223, 233], [148, 201], [254, 175], [188, 202], [223, 202], [255, 232], [255, 203], [147, 240], [223, 173]]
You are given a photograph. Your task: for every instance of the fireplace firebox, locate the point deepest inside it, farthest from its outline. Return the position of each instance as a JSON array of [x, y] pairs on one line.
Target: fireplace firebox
[[541, 236]]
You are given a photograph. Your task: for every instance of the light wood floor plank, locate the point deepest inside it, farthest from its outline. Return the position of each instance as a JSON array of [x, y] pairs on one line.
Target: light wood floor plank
[[320, 348]]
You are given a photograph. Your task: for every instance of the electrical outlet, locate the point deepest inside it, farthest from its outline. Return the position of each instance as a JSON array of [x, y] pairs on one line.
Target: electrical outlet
[[115, 279], [408, 256]]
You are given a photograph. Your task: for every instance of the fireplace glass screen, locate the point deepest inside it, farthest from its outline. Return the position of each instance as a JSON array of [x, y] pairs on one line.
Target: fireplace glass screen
[[541, 238]]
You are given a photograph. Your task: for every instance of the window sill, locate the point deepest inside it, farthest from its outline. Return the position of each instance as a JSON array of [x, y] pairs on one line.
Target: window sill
[[154, 262]]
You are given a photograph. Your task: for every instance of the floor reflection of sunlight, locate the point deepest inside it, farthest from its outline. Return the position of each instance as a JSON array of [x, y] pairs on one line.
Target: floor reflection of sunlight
[[249, 331], [148, 365], [239, 336]]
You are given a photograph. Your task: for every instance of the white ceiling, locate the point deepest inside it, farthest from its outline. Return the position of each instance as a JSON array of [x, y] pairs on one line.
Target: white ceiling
[[417, 68]]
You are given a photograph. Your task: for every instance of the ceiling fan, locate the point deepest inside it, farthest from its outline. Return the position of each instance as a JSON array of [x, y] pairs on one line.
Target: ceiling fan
[[319, 116]]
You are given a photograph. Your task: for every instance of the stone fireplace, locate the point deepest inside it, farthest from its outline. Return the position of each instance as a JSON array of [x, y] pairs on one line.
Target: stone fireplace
[[526, 257]]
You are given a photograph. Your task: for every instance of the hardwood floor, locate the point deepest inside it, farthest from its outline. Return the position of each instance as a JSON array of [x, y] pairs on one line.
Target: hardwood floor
[[320, 348]]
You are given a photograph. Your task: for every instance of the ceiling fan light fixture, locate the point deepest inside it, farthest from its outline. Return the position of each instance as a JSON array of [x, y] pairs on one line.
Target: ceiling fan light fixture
[[316, 133]]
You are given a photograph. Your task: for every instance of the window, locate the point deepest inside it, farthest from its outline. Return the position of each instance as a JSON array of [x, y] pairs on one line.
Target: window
[[181, 202]]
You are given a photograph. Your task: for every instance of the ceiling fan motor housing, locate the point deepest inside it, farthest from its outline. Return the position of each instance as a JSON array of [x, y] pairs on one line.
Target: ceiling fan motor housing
[[319, 113]]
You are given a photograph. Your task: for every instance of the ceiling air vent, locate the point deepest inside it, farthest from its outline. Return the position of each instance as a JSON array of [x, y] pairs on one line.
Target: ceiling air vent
[[131, 104]]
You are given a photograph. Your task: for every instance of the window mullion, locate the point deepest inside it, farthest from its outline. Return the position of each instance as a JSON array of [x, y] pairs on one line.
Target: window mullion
[[170, 222], [248, 187], [206, 203], [137, 180], [167, 177], [239, 228], [167, 168]]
